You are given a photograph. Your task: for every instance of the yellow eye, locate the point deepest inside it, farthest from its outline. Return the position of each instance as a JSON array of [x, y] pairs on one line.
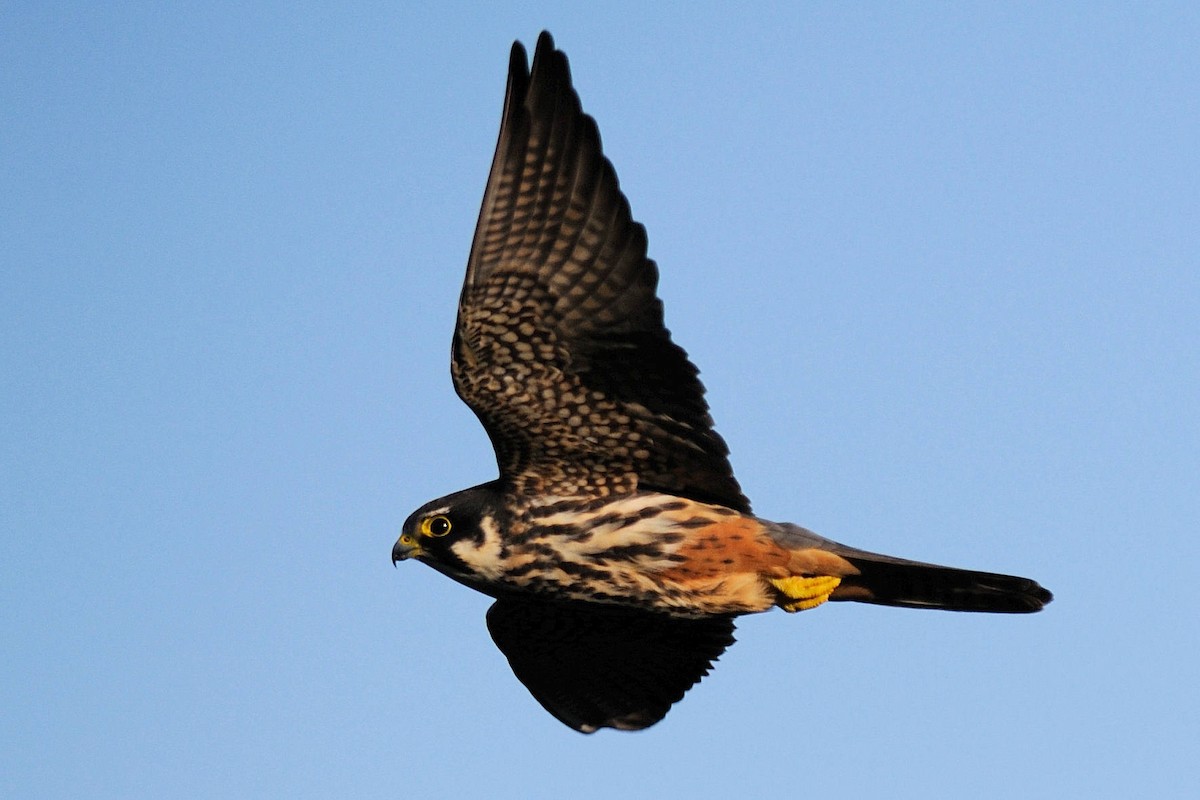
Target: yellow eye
[[435, 526]]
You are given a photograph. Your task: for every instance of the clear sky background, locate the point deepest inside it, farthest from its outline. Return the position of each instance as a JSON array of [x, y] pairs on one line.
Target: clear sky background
[[938, 263]]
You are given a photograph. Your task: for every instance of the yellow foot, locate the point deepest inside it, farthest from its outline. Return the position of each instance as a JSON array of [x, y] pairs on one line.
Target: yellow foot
[[803, 593]]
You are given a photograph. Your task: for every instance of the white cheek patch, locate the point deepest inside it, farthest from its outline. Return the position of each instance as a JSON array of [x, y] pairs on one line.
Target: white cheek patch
[[482, 558]]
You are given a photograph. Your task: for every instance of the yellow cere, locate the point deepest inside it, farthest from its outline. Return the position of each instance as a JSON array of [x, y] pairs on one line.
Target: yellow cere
[[806, 592]]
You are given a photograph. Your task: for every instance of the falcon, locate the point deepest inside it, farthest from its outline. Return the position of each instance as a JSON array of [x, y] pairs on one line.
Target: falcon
[[616, 542]]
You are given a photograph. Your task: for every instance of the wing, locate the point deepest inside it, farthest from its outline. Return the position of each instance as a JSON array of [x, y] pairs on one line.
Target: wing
[[598, 666], [560, 348]]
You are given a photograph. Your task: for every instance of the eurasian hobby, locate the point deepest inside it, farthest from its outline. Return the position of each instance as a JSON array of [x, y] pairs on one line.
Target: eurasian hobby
[[616, 542]]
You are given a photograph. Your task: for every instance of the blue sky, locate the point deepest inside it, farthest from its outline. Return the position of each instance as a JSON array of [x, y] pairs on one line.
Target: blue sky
[[938, 264]]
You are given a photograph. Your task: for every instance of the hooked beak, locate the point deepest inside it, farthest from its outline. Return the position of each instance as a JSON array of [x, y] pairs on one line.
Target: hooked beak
[[406, 547]]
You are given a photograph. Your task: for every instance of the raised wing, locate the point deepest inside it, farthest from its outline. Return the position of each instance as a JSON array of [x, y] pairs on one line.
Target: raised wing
[[560, 347], [605, 666]]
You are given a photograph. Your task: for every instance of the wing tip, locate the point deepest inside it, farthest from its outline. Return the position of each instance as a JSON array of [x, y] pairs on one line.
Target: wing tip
[[519, 58], [519, 67], [518, 73]]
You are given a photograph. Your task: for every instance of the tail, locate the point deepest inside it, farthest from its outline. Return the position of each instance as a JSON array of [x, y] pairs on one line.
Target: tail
[[910, 584]]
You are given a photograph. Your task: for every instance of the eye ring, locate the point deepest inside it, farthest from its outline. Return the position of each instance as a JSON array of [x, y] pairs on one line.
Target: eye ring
[[436, 526]]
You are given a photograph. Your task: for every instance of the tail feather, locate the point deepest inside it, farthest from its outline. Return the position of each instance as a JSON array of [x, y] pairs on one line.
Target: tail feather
[[895, 582]]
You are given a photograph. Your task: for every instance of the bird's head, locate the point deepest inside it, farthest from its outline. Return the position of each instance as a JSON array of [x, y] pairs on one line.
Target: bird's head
[[456, 534]]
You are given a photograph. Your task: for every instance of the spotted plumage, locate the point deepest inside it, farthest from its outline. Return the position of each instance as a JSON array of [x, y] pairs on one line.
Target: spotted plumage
[[616, 541]]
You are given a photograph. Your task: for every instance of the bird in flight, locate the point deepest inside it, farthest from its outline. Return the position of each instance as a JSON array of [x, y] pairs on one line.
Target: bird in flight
[[616, 542]]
